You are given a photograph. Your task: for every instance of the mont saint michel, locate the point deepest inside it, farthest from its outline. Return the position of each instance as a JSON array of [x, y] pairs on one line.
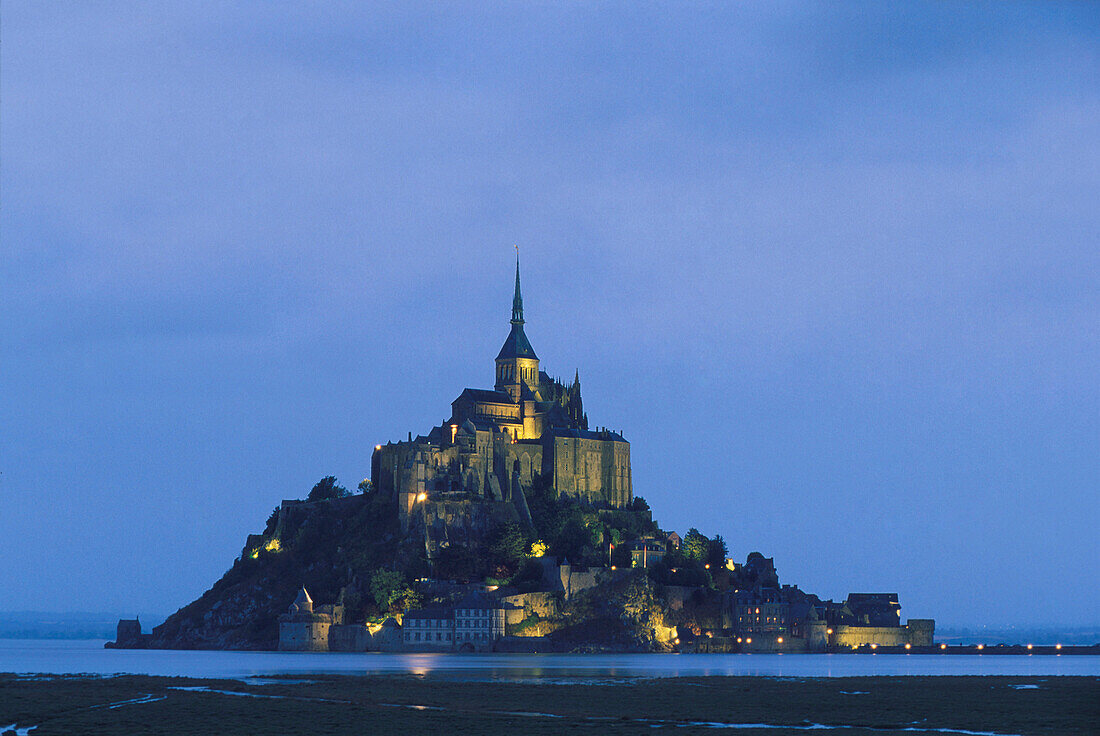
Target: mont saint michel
[[510, 526]]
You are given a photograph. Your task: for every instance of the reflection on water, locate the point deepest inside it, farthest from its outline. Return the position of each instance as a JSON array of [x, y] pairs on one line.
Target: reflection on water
[[72, 657]]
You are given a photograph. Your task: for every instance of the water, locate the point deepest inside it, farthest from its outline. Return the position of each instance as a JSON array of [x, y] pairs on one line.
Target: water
[[88, 656]]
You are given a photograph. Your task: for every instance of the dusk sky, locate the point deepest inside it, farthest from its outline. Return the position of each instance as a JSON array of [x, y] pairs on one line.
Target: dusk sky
[[834, 272]]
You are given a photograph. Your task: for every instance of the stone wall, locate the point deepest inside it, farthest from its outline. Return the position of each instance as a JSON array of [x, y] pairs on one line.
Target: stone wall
[[590, 469], [883, 636], [388, 638], [526, 606], [459, 522], [921, 631], [676, 595], [546, 605], [303, 636], [350, 638], [570, 581], [757, 643]]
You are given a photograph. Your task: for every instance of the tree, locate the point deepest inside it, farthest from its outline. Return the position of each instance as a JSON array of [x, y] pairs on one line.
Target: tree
[[696, 545], [366, 486], [387, 587], [574, 541], [457, 562], [507, 549], [327, 488], [716, 551]]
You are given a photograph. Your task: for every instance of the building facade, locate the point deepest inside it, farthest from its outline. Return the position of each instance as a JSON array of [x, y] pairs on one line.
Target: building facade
[[473, 624]]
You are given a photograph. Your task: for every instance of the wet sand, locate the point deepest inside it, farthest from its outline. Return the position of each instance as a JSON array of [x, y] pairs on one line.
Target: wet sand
[[409, 705]]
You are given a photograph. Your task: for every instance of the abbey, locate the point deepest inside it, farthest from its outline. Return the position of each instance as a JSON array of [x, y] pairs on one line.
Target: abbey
[[530, 428]]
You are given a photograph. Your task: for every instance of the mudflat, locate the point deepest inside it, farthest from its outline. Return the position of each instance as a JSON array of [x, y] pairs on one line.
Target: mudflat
[[407, 705]]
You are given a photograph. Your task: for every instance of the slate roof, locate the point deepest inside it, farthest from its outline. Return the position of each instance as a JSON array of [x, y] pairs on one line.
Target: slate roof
[[485, 396], [478, 601], [517, 345], [587, 434], [430, 613]]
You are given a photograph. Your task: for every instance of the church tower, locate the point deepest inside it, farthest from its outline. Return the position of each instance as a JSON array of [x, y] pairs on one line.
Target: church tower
[[517, 364]]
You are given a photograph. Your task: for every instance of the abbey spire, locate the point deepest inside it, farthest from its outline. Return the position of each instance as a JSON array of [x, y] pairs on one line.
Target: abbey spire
[[517, 300], [517, 366]]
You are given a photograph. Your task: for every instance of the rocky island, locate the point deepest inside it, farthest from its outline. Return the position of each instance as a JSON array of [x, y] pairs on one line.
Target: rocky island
[[511, 526]]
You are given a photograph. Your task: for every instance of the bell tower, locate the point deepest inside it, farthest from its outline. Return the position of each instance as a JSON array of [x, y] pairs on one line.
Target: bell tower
[[517, 364]]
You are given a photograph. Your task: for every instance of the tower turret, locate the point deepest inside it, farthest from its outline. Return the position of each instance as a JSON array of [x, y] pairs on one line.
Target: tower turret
[[517, 364]]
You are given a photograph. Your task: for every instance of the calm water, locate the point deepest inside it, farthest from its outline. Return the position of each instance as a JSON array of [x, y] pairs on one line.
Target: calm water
[[68, 657]]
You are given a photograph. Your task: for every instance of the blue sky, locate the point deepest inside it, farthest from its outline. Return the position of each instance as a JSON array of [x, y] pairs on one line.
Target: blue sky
[[834, 273]]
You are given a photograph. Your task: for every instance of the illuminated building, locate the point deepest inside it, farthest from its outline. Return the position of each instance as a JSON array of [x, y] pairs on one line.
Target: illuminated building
[[497, 444]]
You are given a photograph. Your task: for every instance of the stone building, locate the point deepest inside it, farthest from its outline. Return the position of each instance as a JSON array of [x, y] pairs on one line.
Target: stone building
[[473, 624], [128, 635], [429, 629], [760, 615], [479, 622], [758, 610], [304, 629], [647, 552], [498, 443]]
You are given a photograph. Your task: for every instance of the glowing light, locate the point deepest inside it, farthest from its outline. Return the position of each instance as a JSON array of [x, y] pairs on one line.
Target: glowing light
[[1029, 646], [943, 646], [539, 548], [706, 566], [454, 431], [908, 646], [273, 545], [378, 447], [1058, 646], [981, 647], [749, 640], [739, 640], [779, 640], [675, 641], [874, 646], [828, 631], [421, 496]]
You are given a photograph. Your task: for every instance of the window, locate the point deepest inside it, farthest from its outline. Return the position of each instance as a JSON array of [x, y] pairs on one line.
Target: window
[[418, 636]]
